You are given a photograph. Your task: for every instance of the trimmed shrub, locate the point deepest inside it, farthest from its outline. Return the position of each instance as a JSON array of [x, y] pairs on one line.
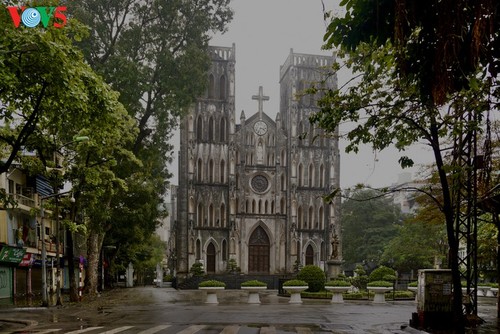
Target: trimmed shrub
[[254, 283], [211, 283], [314, 276], [359, 282], [337, 283], [197, 269], [232, 267], [413, 284], [384, 284], [383, 273], [168, 278], [295, 282]]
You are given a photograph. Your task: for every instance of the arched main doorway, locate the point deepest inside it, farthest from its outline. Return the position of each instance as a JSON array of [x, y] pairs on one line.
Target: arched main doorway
[[211, 258], [258, 252], [309, 255]]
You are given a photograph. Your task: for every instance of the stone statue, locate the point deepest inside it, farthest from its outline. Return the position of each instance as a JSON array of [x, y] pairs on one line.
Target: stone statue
[[335, 247]]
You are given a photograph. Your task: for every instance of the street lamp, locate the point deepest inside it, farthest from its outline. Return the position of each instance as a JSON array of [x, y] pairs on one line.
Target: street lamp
[[44, 249], [56, 194]]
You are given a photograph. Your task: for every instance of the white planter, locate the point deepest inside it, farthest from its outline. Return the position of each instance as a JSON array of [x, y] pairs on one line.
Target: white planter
[[337, 291], [379, 292], [253, 293], [493, 292], [211, 293], [294, 292], [483, 290], [414, 289]]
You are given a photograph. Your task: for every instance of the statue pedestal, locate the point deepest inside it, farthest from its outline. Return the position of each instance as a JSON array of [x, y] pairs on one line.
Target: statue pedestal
[[334, 268]]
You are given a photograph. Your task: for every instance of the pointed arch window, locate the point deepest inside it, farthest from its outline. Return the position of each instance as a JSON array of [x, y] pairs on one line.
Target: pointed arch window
[[301, 175], [211, 129], [199, 128], [222, 171], [283, 206], [311, 175], [311, 217], [309, 255], [321, 175], [211, 171], [200, 214], [321, 217], [300, 217], [199, 170], [222, 130], [222, 87], [223, 215], [211, 215], [211, 86]]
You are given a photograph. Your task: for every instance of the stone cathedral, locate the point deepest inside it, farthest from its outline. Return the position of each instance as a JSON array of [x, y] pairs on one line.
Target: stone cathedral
[[252, 191]]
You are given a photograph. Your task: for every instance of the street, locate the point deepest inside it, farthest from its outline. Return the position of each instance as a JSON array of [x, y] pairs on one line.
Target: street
[[151, 310]]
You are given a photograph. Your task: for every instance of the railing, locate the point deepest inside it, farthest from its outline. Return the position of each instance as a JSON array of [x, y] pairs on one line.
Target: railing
[[21, 199]]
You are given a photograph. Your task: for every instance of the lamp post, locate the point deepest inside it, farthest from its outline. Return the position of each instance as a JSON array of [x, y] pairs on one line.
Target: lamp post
[[44, 249], [44, 259]]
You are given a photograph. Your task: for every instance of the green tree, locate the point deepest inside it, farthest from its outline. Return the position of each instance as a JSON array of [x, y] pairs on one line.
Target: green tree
[[47, 89], [416, 245], [426, 73], [369, 222], [49, 95], [487, 248], [155, 54]]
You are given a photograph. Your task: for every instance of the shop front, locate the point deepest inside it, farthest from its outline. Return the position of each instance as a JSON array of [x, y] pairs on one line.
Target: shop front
[[10, 257]]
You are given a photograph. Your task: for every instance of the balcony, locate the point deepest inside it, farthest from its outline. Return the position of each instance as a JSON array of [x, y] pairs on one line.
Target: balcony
[[24, 200]]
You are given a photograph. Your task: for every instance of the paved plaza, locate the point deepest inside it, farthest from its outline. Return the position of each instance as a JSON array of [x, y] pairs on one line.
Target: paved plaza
[[150, 310]]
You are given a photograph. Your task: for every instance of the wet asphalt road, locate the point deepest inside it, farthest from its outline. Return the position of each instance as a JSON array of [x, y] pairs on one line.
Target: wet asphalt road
[[151, 310]]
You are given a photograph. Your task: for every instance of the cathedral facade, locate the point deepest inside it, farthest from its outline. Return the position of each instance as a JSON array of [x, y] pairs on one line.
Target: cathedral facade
[[253, 191]]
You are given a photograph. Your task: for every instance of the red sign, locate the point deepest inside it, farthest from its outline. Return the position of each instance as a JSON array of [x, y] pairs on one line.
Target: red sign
[[27, 260]]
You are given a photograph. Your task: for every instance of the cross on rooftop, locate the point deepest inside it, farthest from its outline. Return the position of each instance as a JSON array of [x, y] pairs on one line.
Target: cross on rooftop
[[261, 98]]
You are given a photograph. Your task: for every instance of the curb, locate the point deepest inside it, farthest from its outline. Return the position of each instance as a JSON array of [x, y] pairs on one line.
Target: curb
[[411, 330], [25, 322]]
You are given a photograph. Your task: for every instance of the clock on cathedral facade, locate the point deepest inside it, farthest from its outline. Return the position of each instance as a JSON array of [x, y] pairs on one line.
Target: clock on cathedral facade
[[260, 128]]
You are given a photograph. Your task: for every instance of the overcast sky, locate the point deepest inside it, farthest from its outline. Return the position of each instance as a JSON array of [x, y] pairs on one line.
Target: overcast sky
[[264, 31]]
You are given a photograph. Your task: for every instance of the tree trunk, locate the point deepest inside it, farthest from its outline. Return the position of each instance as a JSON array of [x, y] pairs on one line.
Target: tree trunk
[[449, 214], [73, 284], [93, 251]]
